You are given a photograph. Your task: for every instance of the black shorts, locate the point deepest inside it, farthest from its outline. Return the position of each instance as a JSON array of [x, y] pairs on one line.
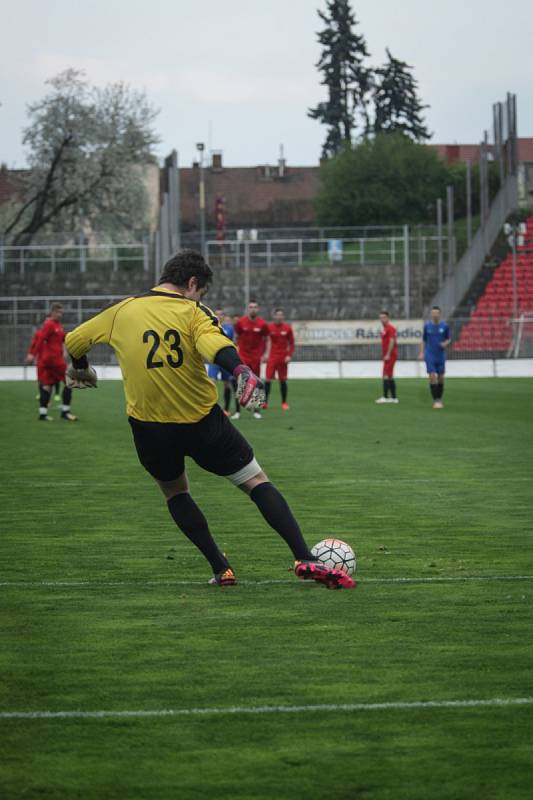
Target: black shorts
[[213, 442]]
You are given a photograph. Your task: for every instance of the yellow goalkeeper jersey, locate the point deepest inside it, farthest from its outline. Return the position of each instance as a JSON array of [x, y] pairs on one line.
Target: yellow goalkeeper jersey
[[161, 340]]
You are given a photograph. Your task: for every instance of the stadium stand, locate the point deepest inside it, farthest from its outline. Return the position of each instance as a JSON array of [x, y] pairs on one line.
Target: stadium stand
[[489, 325], [332, 292]]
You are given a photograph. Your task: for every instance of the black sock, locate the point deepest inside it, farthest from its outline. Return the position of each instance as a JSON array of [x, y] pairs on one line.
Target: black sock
[[267, 390], [227, 398], [277, 513], [237, 406], [190, 520], [440, 389], [67, 396], [385, 387], [434, 388], [392, 387], [284, 390], [44, 399]]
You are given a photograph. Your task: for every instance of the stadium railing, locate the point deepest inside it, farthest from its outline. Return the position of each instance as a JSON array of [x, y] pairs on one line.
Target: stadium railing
[[522, 336], [342, 341], [364, 250], [74, 258]]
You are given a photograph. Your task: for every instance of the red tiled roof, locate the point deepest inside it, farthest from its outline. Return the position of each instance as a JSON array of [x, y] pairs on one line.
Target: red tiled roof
[[10, 183], [470, 152], [251, 198]]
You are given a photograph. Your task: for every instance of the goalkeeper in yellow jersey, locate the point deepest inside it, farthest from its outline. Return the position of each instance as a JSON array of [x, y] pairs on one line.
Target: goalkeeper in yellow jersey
[[162, 339]]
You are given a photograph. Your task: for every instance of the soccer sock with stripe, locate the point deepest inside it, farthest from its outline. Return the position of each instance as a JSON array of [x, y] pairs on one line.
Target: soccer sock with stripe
[[284, 390], [237, 406], [277, 513], [67, 397], [44, 399], [191, 521]]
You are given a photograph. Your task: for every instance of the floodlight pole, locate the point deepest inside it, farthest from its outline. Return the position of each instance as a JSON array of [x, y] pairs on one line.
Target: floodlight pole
[[439, 242], [515, 290], [246, 273], [201, 147], [468, 203]]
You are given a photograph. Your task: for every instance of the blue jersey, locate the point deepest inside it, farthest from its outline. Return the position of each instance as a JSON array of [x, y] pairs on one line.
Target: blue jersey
[[433, 337], [228, 329], [213, 370]]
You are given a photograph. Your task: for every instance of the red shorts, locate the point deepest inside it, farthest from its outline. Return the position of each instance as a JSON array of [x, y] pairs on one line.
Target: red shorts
[[51, 372], [276, 364], [388, 367], [254, 362]]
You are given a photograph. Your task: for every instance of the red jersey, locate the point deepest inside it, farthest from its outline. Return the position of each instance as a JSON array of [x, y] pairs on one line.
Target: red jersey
[[282, 338], [389, 332], [35, 343], [252, 335], [50, 342]]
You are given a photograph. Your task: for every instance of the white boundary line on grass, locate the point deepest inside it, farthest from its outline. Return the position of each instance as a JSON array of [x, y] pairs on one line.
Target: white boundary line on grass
[[326, 707], [42, 484], [104, 584]]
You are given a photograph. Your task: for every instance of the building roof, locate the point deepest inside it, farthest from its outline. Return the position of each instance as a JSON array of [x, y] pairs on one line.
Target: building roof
[[470, 152], [253, 196]]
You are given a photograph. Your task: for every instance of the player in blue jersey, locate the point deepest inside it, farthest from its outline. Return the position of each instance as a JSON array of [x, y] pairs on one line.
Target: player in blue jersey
[[435, 340], [216, 373]]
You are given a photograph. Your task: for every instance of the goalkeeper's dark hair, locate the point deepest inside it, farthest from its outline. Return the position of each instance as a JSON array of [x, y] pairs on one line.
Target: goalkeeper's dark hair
[[383, 311], [185, 265], [435, 308]]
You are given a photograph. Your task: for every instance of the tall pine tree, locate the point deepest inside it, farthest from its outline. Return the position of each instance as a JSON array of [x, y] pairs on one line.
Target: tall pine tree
[[397, 107], [344, 74]]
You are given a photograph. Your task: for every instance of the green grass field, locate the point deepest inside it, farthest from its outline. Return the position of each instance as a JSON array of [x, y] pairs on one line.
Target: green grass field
[[105, 606]]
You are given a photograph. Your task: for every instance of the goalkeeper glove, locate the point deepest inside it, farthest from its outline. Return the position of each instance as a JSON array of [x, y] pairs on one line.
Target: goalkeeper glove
[[81, 378], [250, 391]]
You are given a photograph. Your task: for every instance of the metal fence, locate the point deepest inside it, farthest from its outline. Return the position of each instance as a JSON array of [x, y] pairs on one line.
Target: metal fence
[[74, 258], [454, 289], [20, 317], [377, 250]]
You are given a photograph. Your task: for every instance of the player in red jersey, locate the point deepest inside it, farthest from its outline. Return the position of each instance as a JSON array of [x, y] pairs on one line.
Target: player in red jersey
[[389, 351], [31, 358], [47, 350], [278, 354], [251, 333]]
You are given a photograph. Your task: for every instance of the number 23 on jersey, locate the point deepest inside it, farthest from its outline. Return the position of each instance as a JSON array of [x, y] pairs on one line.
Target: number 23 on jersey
[[172, 338]]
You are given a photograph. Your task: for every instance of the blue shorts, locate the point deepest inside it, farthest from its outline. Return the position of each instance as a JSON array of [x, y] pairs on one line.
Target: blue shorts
[[437, 365], [216, 373]]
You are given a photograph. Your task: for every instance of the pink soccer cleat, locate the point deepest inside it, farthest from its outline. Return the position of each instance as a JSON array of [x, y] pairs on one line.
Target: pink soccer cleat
[[316, 571]]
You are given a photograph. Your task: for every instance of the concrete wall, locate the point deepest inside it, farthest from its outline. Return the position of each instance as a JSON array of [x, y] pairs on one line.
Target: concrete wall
[[488, 368]]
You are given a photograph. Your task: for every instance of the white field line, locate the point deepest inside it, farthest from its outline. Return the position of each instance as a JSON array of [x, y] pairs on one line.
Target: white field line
[[305, 709], [377, 481], [98, 584]]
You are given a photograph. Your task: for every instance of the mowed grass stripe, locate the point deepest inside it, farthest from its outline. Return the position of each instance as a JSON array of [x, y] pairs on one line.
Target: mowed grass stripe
[[308, 584], [319, 708]]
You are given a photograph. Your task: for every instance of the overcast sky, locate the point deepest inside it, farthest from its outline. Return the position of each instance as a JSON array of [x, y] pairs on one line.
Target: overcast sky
[[239, 75]]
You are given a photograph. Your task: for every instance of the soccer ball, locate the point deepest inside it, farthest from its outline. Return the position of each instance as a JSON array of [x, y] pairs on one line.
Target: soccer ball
[[336, 554]]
